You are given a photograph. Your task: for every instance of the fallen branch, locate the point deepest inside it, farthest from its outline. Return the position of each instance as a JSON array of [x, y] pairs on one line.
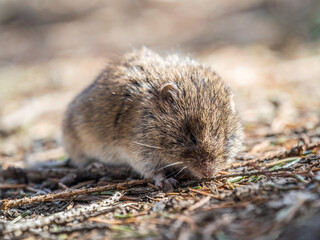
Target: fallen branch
[[295, 151], [244, 174], [6, 204]]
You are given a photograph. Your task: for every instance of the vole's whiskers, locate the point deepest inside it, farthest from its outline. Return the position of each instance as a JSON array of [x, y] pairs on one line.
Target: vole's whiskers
[[180, 171], [146, 145], [171, 164]]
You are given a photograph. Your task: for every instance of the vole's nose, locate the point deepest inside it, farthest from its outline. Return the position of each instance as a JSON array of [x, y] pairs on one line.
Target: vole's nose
[[206, 169], [206, 172]]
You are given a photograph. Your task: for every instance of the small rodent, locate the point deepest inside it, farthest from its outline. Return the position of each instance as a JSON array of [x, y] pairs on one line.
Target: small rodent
[[165, 117]]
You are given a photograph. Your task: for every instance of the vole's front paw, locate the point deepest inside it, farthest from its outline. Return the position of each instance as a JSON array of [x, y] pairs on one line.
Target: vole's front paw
[[172, 182], [167, 184]]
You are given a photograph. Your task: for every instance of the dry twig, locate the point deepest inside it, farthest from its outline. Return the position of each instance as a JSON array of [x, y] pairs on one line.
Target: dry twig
[[6, 204]]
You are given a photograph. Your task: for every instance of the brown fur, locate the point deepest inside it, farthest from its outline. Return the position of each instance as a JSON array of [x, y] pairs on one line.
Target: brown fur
[[148, 112]]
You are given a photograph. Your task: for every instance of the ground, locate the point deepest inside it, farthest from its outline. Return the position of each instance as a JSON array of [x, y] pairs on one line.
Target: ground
[[270, 191]]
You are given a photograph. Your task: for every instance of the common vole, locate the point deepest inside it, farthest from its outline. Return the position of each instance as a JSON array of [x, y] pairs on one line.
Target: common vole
[[165, 117]]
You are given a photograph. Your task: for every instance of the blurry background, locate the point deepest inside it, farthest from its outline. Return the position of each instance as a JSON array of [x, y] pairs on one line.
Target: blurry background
[[267, 50]]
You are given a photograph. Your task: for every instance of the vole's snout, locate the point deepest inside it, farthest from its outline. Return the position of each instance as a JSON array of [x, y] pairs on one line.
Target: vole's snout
[[209, 167], [205, 170]]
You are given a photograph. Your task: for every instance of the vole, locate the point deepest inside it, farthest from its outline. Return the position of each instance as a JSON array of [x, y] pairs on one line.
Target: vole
[[164, 117]]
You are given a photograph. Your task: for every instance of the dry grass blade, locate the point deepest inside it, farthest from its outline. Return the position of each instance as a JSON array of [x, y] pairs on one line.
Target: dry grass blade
[[10, 186], [199, 204]]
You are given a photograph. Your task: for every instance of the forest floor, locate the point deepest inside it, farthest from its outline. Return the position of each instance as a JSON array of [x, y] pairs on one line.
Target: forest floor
[[271, 191]]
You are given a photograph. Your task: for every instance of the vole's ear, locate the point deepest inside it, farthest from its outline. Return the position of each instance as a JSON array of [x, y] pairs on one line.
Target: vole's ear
[[168, 91]]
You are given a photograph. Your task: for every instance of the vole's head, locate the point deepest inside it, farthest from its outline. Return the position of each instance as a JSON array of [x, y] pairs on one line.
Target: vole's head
[[190, 123]]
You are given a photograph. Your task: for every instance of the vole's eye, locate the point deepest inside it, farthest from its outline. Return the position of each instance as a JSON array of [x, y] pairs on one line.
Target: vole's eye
[[193, 139]]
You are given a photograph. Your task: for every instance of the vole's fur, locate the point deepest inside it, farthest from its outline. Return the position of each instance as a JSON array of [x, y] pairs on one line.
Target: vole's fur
[[155, 114]]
